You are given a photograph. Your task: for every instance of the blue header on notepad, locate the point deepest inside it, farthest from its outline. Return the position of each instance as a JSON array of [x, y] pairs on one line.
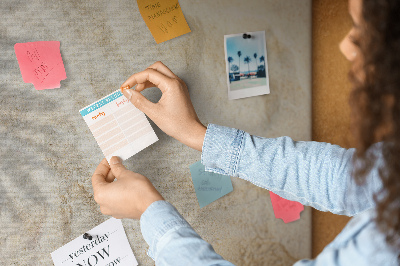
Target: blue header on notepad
[[101, 103]]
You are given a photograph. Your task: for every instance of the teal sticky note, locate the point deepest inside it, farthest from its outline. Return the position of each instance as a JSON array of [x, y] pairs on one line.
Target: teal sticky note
[[209, 186]]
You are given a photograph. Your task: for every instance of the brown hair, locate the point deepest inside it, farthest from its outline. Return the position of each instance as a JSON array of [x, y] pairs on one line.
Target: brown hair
[[375, 102]]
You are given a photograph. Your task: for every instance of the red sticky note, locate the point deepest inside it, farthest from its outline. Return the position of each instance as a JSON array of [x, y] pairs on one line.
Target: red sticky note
[[284, 209], [41, 63]]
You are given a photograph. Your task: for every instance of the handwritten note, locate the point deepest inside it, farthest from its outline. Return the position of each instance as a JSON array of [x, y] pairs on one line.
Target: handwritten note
[[209, 186], [284, 209], [41, 63], [109, 246], [118, 126], [164, 18]]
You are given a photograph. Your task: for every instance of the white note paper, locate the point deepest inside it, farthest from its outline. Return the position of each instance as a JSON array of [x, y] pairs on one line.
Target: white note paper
[[108, 247], [118, 126]]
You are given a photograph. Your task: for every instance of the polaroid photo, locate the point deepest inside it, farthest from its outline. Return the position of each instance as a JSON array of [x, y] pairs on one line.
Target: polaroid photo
[[246, 64]]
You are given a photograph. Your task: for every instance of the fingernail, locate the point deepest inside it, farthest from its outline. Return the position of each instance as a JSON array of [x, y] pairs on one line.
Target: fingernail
[[125, 88], [115, 160], [128, 94]]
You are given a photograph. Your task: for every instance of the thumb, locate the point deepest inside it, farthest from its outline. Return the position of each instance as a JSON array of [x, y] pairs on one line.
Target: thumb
[[116, 166], [100, 174], [138, 100]]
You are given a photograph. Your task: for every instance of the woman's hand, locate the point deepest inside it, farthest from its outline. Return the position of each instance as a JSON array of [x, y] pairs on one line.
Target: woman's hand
[[173, 113], [127, 197]]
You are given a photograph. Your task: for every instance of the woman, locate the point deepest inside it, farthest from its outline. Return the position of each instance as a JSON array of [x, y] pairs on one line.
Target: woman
[[316, 174]]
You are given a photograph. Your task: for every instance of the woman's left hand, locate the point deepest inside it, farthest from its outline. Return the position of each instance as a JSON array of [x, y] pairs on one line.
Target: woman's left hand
[[127, 197]]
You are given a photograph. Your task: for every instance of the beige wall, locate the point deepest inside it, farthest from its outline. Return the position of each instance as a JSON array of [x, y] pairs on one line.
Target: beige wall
[[330, 106]]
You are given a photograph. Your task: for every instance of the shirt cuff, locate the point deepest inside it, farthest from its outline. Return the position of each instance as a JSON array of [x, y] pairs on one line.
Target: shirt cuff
[[157, 220], [222, 148]]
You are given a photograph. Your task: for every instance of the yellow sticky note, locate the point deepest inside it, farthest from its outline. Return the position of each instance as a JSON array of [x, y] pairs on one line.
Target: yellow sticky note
[[164, 18]]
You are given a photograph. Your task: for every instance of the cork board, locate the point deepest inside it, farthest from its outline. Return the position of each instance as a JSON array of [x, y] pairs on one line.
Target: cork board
[[330, 108], [48, 153]]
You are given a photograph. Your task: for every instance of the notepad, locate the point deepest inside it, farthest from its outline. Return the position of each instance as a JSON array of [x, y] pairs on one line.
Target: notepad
[[209, 186], [118, 126], [164, 18], [41, 63], [284, 209]]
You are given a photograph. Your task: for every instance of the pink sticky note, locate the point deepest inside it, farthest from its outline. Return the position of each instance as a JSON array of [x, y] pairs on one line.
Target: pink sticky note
[[41, 63], [284, 209]]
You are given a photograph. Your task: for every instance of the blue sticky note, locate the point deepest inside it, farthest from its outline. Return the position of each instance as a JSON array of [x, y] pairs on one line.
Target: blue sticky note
[[209, 186]]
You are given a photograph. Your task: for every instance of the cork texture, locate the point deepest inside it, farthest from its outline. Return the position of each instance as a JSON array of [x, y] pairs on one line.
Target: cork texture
[[330, 93]]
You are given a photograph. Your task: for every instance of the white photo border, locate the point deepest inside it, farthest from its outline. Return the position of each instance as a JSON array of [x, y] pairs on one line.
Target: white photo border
[[248, 92]]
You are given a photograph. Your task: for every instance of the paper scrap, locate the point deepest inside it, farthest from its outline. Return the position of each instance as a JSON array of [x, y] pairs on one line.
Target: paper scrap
[[118, 126], [164, 18], [284, 209], [209, 186], [41, 63], [109, 246]]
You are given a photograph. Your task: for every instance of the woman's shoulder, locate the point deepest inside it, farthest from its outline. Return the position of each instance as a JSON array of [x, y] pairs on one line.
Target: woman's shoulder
[[363, 239]]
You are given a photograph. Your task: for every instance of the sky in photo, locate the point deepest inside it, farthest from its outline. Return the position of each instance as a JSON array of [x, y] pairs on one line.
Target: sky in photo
[[248, 47]]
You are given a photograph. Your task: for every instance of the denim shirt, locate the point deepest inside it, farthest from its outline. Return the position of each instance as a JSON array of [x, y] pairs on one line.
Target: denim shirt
[[312, 173]]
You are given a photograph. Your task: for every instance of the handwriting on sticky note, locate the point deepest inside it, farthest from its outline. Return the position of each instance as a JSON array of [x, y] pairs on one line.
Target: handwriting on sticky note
[[164, 18], [41, 63], [118, 126], [284, 209], [108, 246], [209, 186]]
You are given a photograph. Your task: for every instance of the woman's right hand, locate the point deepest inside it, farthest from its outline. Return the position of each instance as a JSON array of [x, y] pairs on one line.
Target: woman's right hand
[[173, 113]]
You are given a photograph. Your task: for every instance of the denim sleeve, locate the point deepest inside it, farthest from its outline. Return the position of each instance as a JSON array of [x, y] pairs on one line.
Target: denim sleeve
[[312, 173], [172, 241], [360, 243]]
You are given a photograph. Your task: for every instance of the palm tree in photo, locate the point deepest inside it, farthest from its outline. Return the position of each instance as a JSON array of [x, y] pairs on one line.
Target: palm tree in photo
[[234, 68], [239, 54], [247, 60], [255, 60], [262, 59], [230, 60]]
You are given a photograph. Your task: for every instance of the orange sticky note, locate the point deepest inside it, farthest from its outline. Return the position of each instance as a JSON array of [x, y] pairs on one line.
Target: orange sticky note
[[164, 18], [284, 209], [41, 63]]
